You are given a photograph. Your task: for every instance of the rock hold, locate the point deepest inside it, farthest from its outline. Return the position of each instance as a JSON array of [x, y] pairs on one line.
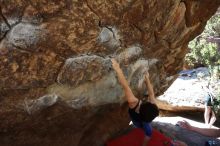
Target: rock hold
[[32, 106], [109, 37]]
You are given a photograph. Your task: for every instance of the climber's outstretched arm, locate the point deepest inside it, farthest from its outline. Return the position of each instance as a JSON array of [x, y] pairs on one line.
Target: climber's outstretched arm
[[132, 100], [149, 88]]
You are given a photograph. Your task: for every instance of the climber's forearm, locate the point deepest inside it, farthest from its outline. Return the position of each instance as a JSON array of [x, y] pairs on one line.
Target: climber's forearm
[[149, 89], [132, 100], [122, 80]]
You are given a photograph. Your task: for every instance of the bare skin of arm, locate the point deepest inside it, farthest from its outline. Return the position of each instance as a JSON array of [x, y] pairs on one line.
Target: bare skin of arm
[[204, 131], [149, 88], [152, 99], [132, 100]]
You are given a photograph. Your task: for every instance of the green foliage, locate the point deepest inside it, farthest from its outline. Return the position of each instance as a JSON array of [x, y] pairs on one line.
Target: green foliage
[[213, 27], [216, 104], [204, 49], [203, 52]]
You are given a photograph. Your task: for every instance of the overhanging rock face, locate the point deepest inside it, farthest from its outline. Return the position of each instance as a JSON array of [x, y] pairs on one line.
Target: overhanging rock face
[[57, 86]]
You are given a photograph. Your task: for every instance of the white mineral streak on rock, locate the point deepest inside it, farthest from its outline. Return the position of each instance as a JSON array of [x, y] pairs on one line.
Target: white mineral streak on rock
[[32, 106]]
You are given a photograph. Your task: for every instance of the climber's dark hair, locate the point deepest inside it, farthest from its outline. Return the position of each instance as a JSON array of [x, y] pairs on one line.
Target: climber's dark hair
[[148, 111]]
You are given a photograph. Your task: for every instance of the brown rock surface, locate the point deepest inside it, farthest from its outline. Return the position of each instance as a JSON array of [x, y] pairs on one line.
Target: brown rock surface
[[57, 86]]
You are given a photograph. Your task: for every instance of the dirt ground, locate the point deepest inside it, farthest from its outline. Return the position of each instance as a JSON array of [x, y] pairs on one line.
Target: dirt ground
[[187, 90]]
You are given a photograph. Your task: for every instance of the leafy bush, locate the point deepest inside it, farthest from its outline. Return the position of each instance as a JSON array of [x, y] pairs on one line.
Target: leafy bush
[[216, 106], [205, 48], [203, 53]]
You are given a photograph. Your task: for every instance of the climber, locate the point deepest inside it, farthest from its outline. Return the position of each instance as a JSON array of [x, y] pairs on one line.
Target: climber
[[141, 113], [208, 106], [210, 132]]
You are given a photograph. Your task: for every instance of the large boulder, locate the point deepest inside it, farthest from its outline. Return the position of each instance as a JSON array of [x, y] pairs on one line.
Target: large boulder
[[57, 86]]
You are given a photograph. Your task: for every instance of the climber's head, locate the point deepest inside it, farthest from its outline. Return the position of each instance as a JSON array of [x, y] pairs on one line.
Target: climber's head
[[148, 111]]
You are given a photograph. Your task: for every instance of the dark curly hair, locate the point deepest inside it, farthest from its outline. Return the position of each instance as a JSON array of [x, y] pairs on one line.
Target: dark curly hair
[[148, 111]]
